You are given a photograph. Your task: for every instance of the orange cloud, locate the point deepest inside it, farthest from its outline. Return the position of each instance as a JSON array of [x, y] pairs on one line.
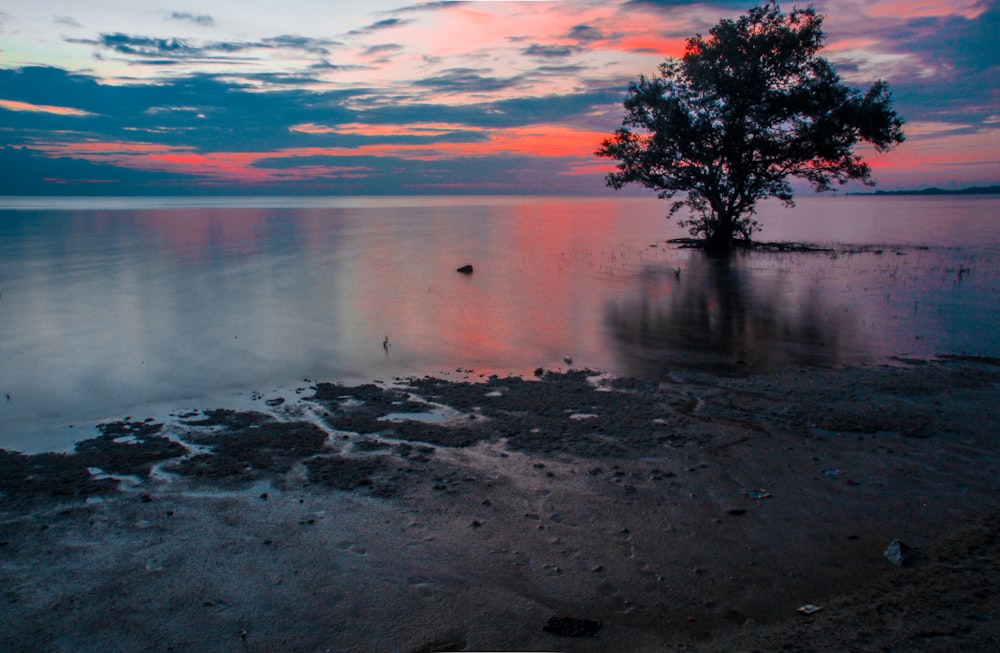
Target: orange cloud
[[15, 105], [849, 44], [549, 141], [537, 140], [206, 165], [930, 149], [216, 166], [673, 48]]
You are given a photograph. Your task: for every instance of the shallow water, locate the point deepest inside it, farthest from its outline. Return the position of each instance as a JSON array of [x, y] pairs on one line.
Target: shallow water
[[132, 306]]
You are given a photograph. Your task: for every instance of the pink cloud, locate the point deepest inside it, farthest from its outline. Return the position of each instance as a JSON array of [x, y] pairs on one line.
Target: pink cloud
[[536, 140], [15, 105], [930, 159], [409, 129], [970, 9], [237, 167]]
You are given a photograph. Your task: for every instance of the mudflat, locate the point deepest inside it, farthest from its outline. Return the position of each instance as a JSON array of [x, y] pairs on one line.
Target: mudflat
[[571, 512]]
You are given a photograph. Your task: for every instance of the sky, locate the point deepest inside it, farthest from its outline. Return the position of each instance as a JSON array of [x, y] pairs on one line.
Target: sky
[[343, 97]]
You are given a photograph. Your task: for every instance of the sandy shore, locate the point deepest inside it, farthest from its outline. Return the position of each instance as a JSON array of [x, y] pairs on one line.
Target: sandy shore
[[695, 514]]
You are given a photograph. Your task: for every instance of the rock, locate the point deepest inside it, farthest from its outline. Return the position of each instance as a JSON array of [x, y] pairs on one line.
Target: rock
[[572, 627], [465, 269], [902, 555]]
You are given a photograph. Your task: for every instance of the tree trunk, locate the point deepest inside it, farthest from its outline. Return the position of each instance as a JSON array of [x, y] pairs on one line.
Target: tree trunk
[[721, 238]]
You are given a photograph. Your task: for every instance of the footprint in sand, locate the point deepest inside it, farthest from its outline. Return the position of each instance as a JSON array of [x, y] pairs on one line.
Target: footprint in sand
[[352, 547]]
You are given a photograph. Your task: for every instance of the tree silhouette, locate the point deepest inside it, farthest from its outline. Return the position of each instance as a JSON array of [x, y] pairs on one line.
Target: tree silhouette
[[744, 110]]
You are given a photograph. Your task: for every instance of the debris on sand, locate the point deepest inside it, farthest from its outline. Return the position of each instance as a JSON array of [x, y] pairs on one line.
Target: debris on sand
[[572, 627], [902, 555], [759, 493]]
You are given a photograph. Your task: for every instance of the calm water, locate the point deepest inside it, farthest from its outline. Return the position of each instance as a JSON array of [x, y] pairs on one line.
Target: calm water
[[135, 307]]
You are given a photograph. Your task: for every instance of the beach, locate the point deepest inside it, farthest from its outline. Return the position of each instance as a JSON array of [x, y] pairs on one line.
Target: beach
[[568, 511]]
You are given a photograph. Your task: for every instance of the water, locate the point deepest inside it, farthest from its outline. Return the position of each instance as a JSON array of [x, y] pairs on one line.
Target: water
[[118, 307]]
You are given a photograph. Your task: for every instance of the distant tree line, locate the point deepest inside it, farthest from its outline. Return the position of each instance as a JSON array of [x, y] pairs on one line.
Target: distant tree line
[[971, 190]]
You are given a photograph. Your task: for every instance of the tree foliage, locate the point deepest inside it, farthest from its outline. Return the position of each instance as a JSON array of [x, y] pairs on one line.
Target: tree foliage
[[744, 110]]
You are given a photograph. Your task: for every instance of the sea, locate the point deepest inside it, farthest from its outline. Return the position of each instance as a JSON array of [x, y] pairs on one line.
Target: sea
[[138, 307]]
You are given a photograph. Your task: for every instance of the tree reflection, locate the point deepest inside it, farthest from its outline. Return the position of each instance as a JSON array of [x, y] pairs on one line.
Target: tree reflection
[[726, 314]]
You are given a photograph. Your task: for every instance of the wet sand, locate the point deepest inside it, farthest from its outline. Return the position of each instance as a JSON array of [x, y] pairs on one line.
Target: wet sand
[[694, 514]]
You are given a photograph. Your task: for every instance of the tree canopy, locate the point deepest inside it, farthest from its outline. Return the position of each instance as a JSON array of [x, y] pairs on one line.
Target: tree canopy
[[745, 109]]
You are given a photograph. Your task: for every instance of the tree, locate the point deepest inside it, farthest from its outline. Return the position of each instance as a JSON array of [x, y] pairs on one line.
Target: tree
[[744, 110]]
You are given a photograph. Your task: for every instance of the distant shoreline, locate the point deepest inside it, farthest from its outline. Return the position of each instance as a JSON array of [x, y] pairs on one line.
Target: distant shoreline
[[971, 190]]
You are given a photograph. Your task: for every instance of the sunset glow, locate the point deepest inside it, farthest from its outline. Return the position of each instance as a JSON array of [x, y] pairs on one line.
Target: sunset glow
[[467, 96]]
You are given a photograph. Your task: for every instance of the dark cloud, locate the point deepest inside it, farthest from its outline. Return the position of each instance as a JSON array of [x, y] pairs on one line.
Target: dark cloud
[[228, 105], [556, 71], [946, 74], [468, 80], [304, 43], [201, 111], [573, 108], [673, 4], [429, 6], [199, 19], [67, 21], [145, 46], [968, 45], [51, 86], [32, 173], [548, 51], [379, 25], [29, 172], [208, 113], [280, 79], [333, 67], [167, 51], [383, 49], [585, 34]]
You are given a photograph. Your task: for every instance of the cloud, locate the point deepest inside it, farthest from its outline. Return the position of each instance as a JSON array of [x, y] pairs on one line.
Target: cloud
[[43, 85], [198, 19], [206, 131], [548, 51], [381, 49], [465, 80], [66, 21], [585, 34], [672, 4], [384, 24], [456, 94], [242, 59], [14, 105], [551, 141], [325, 65], [304, 43], [430, 6], [969, 9], [146, 46], [948, 82]]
